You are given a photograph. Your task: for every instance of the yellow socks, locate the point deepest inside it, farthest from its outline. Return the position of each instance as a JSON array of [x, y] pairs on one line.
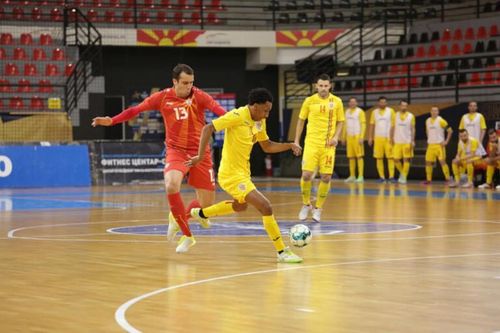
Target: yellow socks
[[446, 171], [380, 168], [273, 231], [406, 169], [352, 167], [323, 190], [456, 172], [218, 209], [470, 172], [361, 167], [399, 167], [305, 187], [490, 171], [428, 172], [390, 166]]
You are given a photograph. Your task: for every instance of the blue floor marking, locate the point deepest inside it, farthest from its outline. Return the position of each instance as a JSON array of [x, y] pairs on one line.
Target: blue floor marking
[[255, 228]]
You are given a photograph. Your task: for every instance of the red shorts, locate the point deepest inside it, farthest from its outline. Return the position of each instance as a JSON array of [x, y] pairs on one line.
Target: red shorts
[[200, 176]]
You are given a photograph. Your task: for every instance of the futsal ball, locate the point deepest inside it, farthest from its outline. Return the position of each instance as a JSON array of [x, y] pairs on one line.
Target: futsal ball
[[300, 235]]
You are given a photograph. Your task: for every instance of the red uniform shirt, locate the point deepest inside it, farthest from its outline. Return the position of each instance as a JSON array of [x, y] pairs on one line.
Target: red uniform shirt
[[184, 118]]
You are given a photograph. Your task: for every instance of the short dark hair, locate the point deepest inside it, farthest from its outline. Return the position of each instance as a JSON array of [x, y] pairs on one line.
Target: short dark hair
[[324, 77], [181, 68], [259, 96], [381, 98], [491, 131], [352, 97], [470, 102], [403, 101], [462, 130]]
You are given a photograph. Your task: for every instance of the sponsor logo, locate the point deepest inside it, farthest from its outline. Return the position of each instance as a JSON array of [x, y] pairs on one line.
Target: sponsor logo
[[5, 166]]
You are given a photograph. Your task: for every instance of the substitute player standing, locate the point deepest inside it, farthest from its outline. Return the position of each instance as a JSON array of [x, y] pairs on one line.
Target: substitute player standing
[[354, 136], [243, 127], [404, 140], [435, 127], [182, 107], [493, 159], [325, 115]]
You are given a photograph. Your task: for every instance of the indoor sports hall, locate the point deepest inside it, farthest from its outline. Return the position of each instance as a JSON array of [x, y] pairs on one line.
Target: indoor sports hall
[[358, 192]]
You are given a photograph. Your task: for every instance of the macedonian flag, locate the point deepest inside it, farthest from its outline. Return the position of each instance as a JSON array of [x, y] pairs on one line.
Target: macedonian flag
[[306, 38], [152, 37]]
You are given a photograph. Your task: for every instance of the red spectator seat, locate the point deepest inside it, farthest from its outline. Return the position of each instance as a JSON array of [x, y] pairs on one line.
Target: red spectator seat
[[481, 33], [45, 39], [476, 79], [149, 4], [131, 3], [197, 5], [58, 54], [16, 103], [30, 70], [195, 18], [457, 35], [56, 15], [6, 39], [96, 3], [391, 83], [179, 18], [11, 69], [369, 84], [109, 16], [182, 4], [468, 48], [417, 67], [26, 39], [18, 13], [4, 85], [36, 103], [166, 4], [488, 78], [431, 52], [144, 17], [429, 67], [443, 50], [114, 3], [45, 86], [414, 82], [441, 66], [19, 54], [39, 54], [493, 30], [394, 69], [216, 5], [446, 35], [92, 15], [69, 69], [51, 70], [127, 16], [2, 14], [455, 49], [23, 85], [469, 33], [212, 19], [161, 17], [36, 14], [420, 52], [403, 83], [3, 54], [498, 77]]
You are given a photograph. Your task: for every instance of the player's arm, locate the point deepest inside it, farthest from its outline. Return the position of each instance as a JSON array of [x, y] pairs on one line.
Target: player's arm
[[150, 103], [413, 131], [449, 133], [393, 124], [371, 128], [304, 113], [272, 147], [362, 120], [483, 129], [213, 105], [206, 134], [335, 140]]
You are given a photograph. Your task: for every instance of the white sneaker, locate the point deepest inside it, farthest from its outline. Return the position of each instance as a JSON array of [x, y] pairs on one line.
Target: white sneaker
[[467, 185], [484, 186], [316, 215], [351, 179], [497, 188], [287, 256], [195, 213], [173, 227], [304, 212], [360, 179], [184, 244], [402, 180], [453, 184]]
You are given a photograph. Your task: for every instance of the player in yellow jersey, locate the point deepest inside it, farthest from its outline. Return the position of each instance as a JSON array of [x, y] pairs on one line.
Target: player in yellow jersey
[[379, 135], [469, 153], [354, 135], [243, 127], [474, 123], [403, 137], [435, 127], [493, 159], [324, 113]]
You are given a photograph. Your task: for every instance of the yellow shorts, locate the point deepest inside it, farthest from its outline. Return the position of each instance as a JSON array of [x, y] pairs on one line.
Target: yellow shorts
[[381, 147], [237, 186], [402, 150], [322, 158], [354, 148], [435, 151]]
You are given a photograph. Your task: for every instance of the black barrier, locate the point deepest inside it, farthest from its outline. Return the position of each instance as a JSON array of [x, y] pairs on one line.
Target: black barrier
[[126, 162]]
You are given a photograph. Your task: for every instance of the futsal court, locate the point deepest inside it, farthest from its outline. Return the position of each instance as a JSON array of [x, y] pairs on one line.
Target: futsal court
[[385, 258]]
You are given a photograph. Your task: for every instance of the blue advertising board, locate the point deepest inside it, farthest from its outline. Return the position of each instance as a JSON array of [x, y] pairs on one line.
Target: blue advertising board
[[44, 166]]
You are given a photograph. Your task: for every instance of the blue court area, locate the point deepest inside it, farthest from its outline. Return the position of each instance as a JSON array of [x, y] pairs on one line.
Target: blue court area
[[255, 228]]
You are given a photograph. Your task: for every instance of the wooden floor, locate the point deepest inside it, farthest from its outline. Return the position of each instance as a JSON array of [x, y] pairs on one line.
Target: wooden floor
[[386, 258]]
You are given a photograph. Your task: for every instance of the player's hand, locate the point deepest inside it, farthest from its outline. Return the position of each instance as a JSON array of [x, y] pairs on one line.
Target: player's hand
[[296, 149], [333, 142], [443, 144], [361, 141], [193, 161], [102, 121], [370, 142], [342, 142], [413, 144]]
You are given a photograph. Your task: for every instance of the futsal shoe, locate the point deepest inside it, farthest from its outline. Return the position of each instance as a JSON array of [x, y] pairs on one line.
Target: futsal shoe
[[497, 188], [173, 227], [195, 213], [381, 180], [360, 179], [351, 179], [184, 244], [485, 186], [467, 185], [288, 257], [392, 180], [426, 182], [453, 184], [304, 212], [402, 180], [316, 214]]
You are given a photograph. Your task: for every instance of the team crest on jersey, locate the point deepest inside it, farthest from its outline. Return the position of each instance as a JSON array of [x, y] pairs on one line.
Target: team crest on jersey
[[189, 101], [258, 125], [331, 105], [242, 186]]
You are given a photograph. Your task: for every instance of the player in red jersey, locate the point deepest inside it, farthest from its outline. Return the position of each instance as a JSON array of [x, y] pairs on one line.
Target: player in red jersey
[[182, 108]]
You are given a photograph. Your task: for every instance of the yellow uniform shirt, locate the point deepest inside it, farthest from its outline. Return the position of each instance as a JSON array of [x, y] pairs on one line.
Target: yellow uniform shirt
[[383, 121], [473, 123], [241, 133], [469, 148], [322, 115]]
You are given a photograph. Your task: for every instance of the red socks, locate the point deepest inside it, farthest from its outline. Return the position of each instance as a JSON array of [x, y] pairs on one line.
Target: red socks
[[179, 212], [192, 204]]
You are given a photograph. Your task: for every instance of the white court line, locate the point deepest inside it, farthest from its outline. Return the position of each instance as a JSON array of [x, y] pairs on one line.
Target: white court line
[[120, 314]]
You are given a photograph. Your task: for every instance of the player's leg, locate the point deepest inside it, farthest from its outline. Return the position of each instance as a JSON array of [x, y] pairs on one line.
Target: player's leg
[[351, 155], [202, 178], [361, 162], [430, 159], [309, 165], [470, 174], [378, 154], [441, 156], [397, 154], [388, 151], [456, 166], [262, 204], [490, 171], [327, 163]]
